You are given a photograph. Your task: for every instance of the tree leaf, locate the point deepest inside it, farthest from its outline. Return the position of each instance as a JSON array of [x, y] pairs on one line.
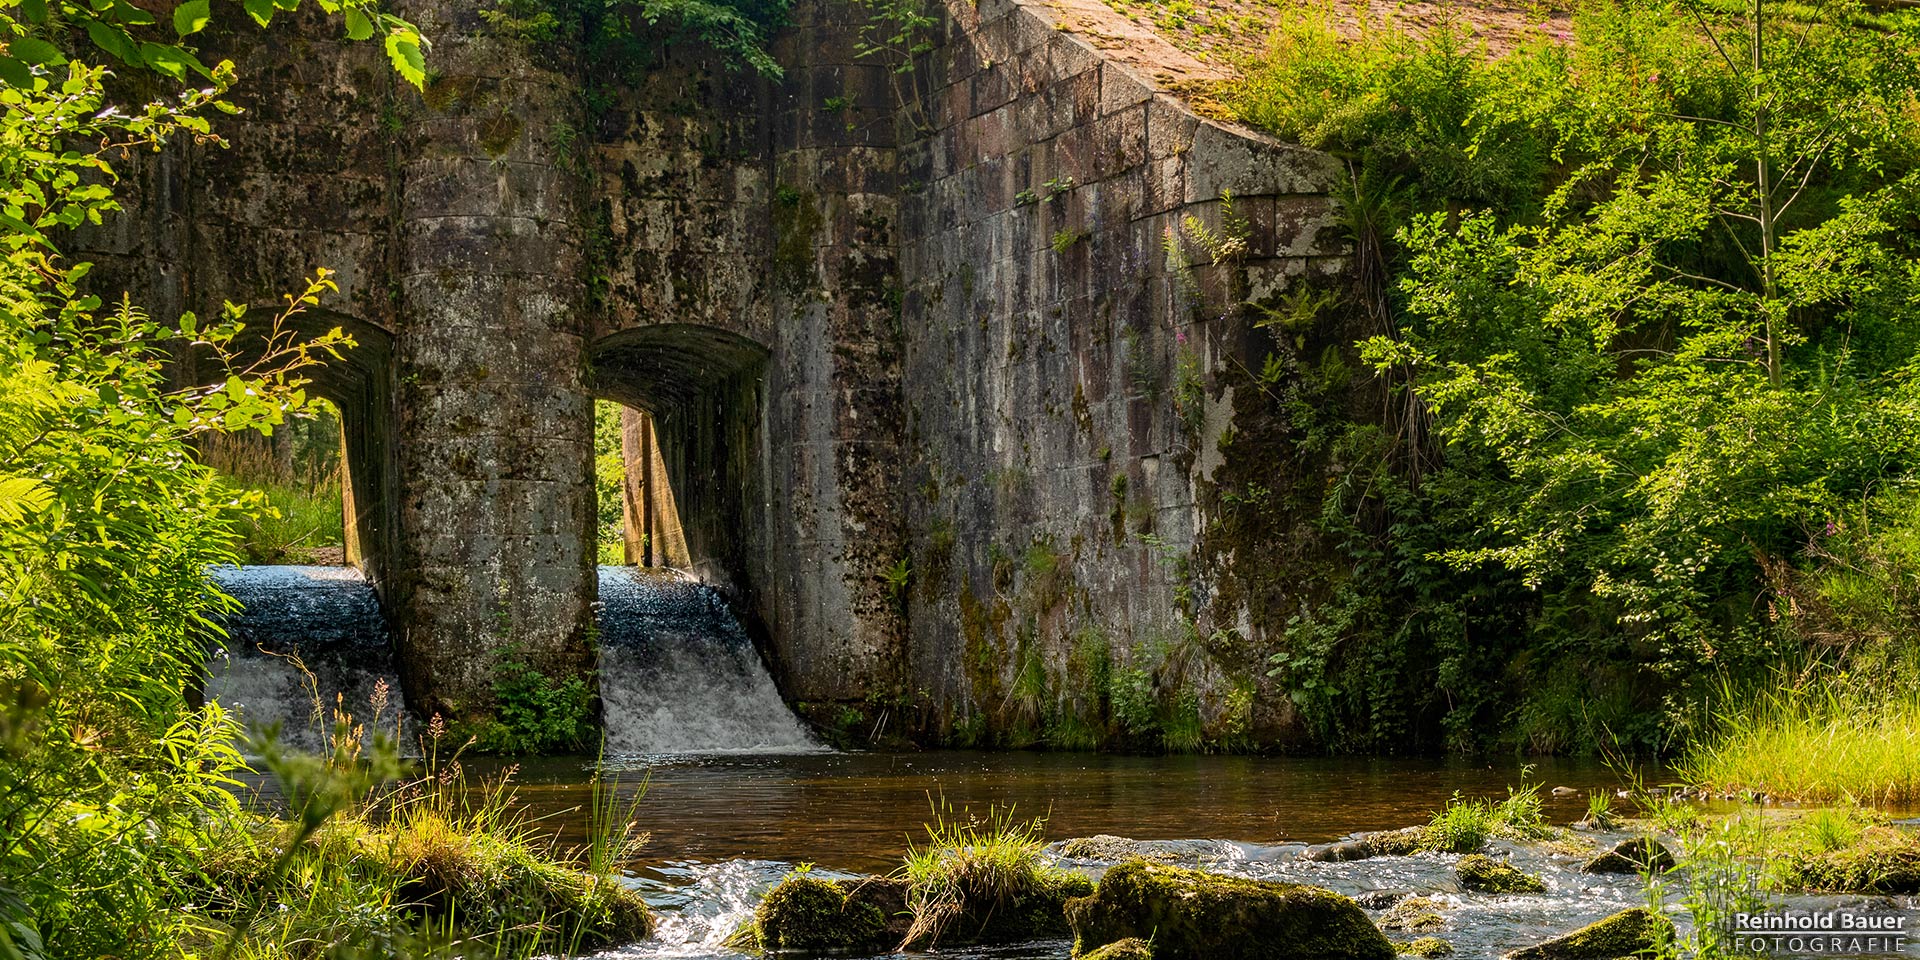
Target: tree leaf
[[358, 26], [34, 50], [192, 16], [261, 11], [404, 50], [16, 74]]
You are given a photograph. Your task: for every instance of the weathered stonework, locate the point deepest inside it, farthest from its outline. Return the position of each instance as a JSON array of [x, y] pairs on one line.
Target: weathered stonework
[[939, 409]]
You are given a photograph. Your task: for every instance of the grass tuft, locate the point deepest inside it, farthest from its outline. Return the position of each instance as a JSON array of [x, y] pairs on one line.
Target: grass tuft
[[1823, 742]]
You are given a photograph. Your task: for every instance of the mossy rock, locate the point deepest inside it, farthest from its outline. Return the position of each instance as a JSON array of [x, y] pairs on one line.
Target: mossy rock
[[1414, 914], [1624, 934], [1884, 861], [1191, 915], [1636, 855], [1036, 911], [1385, 843], [1428, 947], [1132, 948], [1487, 875], [808, 915]]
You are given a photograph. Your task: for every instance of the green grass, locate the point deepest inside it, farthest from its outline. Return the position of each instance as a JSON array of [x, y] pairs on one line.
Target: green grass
[[288, 523], [987, 869], [1823, 742], [1464, 826]]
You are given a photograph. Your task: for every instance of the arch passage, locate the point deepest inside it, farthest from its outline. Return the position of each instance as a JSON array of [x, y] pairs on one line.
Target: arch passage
[[360, 384], [704, 390]]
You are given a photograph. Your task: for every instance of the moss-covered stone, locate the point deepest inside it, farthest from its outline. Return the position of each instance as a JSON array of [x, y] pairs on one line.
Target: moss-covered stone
[[1028, 911], [1132, 948], [1191, 915], [1636, 855], [1624, 934], [1883, 861], [1414, 914], [1487, 875], [1428, 947], [808, 915], [1385, 843]]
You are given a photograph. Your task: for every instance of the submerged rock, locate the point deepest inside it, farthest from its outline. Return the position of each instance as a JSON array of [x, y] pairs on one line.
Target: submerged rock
[[1487, 875], [1190, 915], [807, 915], [1637, 855], [1428, 947], [1414, 914], [1385, 843], [1624, 934], [1381, 899], [1112, 849], [1131, 948]]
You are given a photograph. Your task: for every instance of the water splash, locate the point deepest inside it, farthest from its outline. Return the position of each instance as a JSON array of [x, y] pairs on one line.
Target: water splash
[[678, 674], [323, 619]]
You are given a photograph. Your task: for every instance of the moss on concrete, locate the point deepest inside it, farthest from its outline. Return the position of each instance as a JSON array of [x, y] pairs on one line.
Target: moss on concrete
[[1191, 915], [1624, 934], [1487, 875]]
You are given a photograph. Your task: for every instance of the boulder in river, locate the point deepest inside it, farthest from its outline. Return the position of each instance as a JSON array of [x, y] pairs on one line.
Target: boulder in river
[[1132, 948], [1384, 843], [1624, 934], [808, 915], [1381, 899], [1487, 875], [1428, 947], [1414, 914], [1635, 855], [1191, 915]]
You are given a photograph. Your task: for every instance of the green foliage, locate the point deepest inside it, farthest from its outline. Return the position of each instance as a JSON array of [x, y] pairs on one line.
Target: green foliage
[[537, 713], [1651, 336], [622, 36], [1824, 739], [609, 483]]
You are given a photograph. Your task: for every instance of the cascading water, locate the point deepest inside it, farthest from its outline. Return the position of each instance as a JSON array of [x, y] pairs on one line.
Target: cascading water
[[306, 639], [678, 675]]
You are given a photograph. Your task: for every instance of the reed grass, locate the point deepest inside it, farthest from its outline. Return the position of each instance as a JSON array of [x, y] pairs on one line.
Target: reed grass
[[989, 869], [1835, 740]]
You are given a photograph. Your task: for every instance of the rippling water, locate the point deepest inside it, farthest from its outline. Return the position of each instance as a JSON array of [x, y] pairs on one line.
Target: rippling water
[[725, 829]]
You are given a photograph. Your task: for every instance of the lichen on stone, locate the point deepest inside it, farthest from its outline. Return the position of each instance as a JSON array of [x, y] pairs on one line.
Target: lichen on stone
[[1487, 875]]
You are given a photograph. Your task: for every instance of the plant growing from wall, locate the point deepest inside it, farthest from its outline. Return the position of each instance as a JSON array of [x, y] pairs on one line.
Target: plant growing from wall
[[896, 34]]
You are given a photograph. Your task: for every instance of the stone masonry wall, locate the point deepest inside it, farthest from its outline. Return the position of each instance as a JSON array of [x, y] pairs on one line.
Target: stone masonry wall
[[942, 415]]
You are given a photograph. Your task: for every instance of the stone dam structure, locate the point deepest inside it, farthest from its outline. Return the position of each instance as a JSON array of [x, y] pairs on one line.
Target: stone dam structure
[[949, 365]]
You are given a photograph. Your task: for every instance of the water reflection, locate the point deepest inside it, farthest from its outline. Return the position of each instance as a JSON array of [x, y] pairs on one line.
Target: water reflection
[[858, 811]]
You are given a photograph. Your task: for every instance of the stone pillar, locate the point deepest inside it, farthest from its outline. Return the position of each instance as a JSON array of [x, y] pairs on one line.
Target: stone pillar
[[496, 557]]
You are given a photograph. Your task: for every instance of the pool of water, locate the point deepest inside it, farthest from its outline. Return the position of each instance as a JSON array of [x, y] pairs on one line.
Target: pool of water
[[857, 811], [726, 828]]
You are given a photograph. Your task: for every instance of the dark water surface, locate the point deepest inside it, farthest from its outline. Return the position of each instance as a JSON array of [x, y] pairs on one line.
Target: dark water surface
[[857, 811]]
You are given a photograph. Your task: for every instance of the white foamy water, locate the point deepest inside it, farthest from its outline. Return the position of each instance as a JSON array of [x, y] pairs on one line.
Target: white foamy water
[[307, 640], [678, 675]]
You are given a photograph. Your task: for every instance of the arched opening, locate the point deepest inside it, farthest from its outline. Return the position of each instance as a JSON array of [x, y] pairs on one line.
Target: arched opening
[[639, 515], [682, 404], [330, 475]]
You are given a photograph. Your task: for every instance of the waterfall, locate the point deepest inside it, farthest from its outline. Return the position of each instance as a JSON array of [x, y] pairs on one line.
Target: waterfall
[[305, 641], [678, 674]]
